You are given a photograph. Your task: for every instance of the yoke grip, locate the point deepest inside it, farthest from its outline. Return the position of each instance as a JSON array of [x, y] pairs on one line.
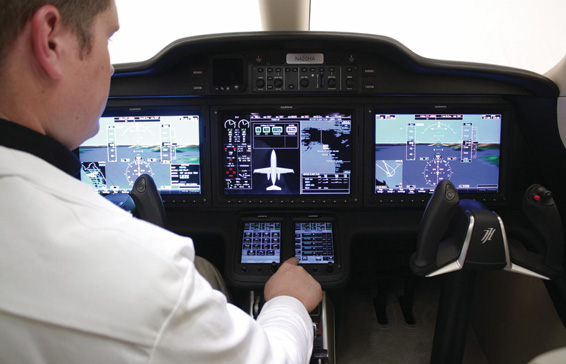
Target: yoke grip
[[541, 210], [435, 222], [149, 206]]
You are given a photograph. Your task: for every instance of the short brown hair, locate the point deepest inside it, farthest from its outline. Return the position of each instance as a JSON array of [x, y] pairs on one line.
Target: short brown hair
[[76, 14]]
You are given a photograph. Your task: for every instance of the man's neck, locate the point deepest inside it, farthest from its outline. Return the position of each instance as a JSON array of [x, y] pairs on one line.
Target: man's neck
[[24, 98]]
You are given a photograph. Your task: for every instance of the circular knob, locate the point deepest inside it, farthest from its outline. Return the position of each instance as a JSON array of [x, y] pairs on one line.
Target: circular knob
[[332, 82], [260, 83], [350, 82], [304, 82], [278, 83]]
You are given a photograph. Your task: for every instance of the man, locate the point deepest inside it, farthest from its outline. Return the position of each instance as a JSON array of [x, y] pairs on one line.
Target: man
[[81, 280]]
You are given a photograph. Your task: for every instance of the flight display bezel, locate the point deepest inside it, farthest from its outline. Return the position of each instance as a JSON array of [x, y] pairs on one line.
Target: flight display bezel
[[283, 120], [444, 114], [132, 109]]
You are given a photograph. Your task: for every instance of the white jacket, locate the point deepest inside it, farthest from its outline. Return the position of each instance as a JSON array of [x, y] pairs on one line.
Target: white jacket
[[82, 281]]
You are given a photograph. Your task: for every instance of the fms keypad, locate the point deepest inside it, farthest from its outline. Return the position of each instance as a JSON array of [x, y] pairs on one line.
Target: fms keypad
[[261, 242]]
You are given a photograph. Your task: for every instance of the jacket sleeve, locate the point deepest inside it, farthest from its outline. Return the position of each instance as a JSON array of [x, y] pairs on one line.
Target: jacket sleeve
[[289, 328], [113, 288], [204, 328]]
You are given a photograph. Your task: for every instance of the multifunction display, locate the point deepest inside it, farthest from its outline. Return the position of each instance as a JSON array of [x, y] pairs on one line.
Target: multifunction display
[[414, 152], [314, 242], [165, 147], [290, 154], [261, 242]]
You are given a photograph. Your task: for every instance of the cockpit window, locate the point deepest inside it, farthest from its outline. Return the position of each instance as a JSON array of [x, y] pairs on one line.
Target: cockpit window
[[523, 34], [148, 26]]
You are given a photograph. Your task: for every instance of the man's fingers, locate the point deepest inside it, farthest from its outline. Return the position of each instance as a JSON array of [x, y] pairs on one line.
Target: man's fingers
[[293, 261]]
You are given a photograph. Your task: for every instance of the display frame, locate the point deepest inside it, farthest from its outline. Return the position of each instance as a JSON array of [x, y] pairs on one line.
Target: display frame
[[223, 199], [475, 106], [137, 108]]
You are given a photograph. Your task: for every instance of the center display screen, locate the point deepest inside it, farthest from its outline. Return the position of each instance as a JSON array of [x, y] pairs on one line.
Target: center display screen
[[286, 154], [166, 147], [414, 152]]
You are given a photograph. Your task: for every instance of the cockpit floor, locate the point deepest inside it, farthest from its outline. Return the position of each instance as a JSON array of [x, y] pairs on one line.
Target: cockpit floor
[[360, 338]]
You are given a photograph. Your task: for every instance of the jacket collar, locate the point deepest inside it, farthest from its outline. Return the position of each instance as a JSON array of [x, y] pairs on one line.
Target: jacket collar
[[15, 136]]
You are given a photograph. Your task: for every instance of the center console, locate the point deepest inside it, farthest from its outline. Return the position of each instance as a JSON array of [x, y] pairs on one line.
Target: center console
[[324, 346], [264, 242]]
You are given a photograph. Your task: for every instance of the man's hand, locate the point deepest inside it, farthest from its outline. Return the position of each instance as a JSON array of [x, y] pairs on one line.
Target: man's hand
[[293, 280]]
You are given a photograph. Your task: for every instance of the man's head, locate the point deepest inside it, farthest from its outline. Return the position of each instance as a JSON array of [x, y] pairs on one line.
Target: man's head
[[78, 15], [54, 65]]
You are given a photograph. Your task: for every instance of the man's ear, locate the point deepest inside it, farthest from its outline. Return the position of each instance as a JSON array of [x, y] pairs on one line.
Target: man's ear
[[47, 37]]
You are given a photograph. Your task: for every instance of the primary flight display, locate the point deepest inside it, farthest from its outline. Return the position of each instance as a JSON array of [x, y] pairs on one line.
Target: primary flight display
[[166, 147], [415, 152]]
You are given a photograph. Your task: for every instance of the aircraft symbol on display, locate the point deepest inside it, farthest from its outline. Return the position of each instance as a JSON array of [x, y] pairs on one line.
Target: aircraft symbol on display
[[273, 172]]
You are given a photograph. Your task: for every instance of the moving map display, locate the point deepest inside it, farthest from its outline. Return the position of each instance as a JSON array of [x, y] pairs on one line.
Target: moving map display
[[165, 147], [291, 154], [414, 152]]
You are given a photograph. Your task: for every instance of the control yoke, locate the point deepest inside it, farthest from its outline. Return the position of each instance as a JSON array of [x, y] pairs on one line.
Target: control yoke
[[149, 206], [457, 234], [143, 201]]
